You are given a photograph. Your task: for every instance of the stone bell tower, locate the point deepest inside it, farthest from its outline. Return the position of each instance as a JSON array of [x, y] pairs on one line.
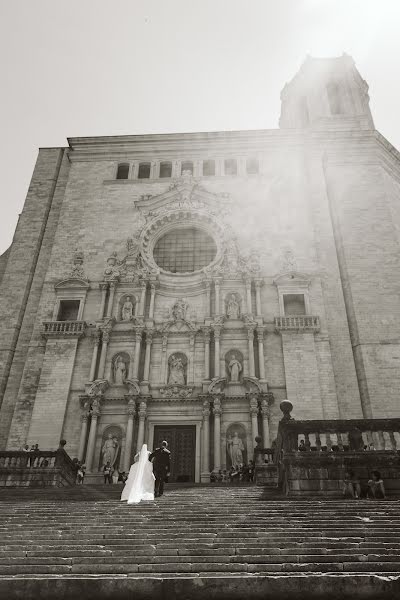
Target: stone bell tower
[[326, 93]]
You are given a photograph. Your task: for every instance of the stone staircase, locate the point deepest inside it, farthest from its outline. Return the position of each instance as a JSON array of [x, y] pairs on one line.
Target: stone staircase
[[195, 542]]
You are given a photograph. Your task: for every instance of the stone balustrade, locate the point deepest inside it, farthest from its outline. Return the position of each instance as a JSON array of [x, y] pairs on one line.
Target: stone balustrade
[[36, 469], [63, 328], [341, 435], [313, 456], [297, 323]]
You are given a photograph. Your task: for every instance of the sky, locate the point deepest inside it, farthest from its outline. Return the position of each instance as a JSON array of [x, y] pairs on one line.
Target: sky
[[102, 67]]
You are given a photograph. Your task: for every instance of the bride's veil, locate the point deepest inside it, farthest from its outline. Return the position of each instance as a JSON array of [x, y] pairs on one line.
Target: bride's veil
[[137, 489]]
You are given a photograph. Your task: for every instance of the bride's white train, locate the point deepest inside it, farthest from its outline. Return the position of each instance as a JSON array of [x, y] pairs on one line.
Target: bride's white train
[[140, 483]]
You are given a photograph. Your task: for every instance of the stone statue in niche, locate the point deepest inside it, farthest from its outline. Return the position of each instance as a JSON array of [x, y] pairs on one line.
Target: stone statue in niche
[[110, 450], [232, 307], [127, 310], [119, 370], [235, 368], [176, 371], [235, 449], [179, 309]]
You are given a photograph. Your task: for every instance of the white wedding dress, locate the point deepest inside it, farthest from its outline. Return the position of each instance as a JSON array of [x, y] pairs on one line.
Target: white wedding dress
[[140, 483]]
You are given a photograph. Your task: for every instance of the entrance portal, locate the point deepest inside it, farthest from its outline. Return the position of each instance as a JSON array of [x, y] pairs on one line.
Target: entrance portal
[[182, 445]]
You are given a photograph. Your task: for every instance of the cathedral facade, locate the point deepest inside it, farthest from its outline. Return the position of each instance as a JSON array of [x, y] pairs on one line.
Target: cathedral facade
[[180, 286]]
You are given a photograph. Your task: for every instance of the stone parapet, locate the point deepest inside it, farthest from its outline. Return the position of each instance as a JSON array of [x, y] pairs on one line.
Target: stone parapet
[[63, 328], [297, 323]]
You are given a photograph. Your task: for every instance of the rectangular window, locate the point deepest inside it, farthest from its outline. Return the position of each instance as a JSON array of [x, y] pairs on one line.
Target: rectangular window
[[208, 168], [144, 170], [165, 169], [252, 166], [187, 166], [294, 304], [68, 310], [230, 166]]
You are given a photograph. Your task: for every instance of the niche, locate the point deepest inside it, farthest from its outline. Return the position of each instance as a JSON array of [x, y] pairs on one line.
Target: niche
[[111, 447], [236, 445], [120, 368], [177, 369], [234, 366], [127, 307]]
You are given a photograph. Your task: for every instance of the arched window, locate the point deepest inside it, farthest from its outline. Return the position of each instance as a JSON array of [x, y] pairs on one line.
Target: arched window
[[252, 167], [123, 171], [165, 169], [230, 166], [187, 165], [208, 168]]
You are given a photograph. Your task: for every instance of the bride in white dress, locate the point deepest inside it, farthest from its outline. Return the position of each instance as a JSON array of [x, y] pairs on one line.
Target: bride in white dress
[[140, 483]]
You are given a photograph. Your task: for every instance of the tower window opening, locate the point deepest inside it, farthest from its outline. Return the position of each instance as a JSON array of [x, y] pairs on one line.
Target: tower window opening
[[252, 166], [230, 166], [187, 165], [165, 169], [144, 170], [209, 168], [123, 171]]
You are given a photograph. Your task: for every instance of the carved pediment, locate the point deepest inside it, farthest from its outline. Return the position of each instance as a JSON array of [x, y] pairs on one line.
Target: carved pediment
[[292, 279], [183, 192], [72, 283], [179, 326]]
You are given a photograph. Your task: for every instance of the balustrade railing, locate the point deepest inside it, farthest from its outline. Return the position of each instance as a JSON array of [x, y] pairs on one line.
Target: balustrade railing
[[63, 328], [50, 467], [297, 322], [340, 435]]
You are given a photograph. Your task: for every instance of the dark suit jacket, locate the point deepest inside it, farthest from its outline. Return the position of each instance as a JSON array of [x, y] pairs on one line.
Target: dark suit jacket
[[161, 459]]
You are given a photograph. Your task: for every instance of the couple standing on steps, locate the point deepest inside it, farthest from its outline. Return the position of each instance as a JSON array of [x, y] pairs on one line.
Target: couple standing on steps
[[148, 474]]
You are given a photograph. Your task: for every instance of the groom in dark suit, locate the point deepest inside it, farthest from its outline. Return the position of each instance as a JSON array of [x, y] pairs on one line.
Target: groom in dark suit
[[161, 459]]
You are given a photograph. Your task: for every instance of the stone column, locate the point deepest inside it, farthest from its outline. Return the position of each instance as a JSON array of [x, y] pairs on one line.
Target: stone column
[[206, 438], [103, 287], [92, 373], [152, 299], [217, 284], [164, 374], [206, 333], [111, 299], [92, 433], [248, 296], [207, 283], [217, 334], [143, 285], [82, 439], [142, 418], [149, 341], [250, 336], [265, 411], [254, 419], [104, 344], [192, 340], [138, 343], [258, 284], [261, 360], [129, 434], [217, 434]]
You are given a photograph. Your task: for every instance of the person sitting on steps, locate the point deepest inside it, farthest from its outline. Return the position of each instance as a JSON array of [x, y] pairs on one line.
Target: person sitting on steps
[[351, 485], [376, 489]]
